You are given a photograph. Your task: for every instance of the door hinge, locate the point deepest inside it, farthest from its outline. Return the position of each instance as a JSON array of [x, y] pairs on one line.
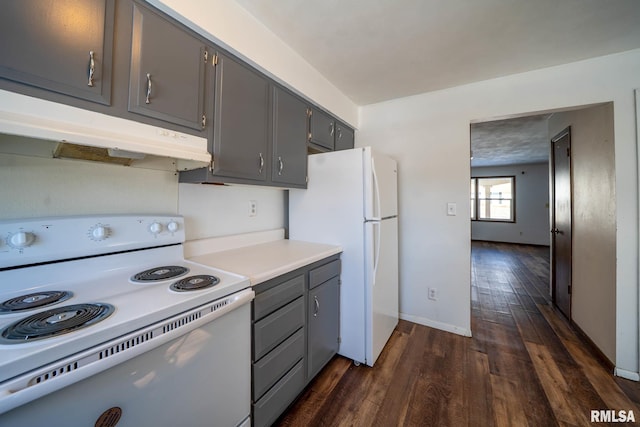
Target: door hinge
[[214, 60], [204, 121], [206, 56], [568, 152], [339, 340], [306, 179], [569, 289]]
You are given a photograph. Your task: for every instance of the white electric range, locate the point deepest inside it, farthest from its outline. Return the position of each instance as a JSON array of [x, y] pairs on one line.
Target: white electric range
[[103, 322]]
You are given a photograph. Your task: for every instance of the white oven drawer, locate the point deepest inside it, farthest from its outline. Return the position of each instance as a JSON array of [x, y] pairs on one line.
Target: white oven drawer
[[201, 378]]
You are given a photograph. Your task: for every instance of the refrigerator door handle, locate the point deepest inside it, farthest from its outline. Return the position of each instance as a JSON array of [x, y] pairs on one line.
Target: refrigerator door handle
[[376, 253], [376, 189]]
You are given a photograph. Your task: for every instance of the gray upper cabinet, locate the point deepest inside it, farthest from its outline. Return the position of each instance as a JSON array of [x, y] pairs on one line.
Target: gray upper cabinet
[[167, 76], [321, 129], [289, 161], [241, 121], [328, 134], [64, 46], [345, 138]]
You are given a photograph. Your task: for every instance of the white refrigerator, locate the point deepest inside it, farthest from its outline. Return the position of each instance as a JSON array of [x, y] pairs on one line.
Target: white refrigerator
[[351, 200]]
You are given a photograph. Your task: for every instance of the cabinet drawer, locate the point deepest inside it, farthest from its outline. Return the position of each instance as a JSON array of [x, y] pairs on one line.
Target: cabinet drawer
[[269, 408], [269, 301], [323, 273], [274, 365], [273, 329]]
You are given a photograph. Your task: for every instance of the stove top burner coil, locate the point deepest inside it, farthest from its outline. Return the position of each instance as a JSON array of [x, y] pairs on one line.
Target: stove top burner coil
[[160, 273], [54, 322], [34, 300], [194, 283]]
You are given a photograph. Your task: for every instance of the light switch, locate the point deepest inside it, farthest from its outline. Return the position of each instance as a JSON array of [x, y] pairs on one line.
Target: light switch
[[451, 209]]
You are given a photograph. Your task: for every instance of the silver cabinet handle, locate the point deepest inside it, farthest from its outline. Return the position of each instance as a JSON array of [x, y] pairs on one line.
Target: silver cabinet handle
[[331, 129], [339, 133], [147, 101], [317, 308], [92, 68], [280, 165], [261, 164]]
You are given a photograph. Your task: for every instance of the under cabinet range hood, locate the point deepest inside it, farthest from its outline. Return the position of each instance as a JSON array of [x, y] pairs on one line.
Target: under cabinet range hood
[[37, 118]]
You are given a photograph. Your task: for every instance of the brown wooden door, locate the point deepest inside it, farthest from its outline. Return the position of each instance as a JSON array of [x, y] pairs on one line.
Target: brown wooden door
[[561, 221]]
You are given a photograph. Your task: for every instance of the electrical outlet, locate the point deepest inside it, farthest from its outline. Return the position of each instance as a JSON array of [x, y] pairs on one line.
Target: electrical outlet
[[433, 294], [253, 208]]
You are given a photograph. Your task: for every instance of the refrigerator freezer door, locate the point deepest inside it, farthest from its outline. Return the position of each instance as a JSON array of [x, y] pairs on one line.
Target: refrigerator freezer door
[[380, 184], [381, 272]]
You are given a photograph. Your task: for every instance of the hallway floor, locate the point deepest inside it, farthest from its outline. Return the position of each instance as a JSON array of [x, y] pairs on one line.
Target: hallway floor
[[524, 366]]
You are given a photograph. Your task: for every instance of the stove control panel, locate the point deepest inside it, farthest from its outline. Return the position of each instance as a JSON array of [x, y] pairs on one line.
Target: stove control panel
[[35, 240]]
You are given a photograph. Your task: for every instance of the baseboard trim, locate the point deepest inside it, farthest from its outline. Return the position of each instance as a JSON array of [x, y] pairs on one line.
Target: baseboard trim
[[629, 375], [593, 348], [465, 332]]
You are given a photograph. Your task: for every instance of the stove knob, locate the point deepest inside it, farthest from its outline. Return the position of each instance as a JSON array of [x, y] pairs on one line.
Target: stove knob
[[155, 228], [21, 239], [99, 232], [173, 226]]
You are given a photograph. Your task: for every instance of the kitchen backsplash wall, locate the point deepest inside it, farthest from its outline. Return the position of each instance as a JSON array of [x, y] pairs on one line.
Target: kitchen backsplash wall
[[217, 210], [34, 186]]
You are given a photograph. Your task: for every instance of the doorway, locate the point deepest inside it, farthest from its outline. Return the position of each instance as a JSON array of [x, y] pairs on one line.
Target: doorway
[[561, 223]]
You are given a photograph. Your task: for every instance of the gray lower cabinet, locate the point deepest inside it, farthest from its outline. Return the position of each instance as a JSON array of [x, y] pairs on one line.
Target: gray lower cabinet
[[168, 65], [295, 333], [63, 46], [323, 324], [289, 160]]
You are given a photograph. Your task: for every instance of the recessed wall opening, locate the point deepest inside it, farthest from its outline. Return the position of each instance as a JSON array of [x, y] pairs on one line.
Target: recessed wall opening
[[521, 146]]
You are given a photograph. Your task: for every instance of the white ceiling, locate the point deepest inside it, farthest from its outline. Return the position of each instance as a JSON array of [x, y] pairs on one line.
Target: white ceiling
[[376, 50]]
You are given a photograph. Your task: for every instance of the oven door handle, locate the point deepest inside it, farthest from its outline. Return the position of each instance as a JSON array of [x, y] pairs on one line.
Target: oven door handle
[[32, 385]]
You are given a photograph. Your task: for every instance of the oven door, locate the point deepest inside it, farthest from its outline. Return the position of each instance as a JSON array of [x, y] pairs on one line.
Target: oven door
[[201, 378]]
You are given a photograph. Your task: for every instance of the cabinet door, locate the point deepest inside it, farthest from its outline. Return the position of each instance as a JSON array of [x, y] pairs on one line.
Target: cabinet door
[[323, 326], [64, 46], [344, 137], [167, 78], [241, 121], [289, 163], [322, 129]]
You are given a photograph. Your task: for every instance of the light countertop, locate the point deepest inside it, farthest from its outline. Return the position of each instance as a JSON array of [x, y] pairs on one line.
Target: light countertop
[[265, 261]]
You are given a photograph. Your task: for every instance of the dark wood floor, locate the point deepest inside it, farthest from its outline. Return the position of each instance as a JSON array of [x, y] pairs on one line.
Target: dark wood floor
[[524, 365]]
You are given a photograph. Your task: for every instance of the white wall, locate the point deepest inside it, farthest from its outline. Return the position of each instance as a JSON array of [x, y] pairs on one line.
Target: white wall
[[532, 206], [33, 186], [217, 210], [429, 136], [232, 27], [593, 298]]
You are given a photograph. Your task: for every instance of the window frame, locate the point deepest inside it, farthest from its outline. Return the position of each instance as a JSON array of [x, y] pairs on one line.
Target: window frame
[[475, 199]]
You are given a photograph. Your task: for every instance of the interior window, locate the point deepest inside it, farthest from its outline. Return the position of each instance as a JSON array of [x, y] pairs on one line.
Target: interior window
[[493, 198]]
